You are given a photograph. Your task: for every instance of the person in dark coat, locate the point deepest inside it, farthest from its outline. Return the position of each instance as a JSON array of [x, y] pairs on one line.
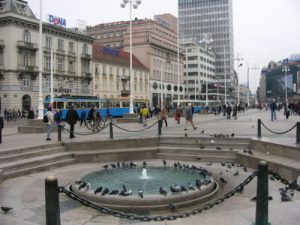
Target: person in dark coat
[[83, 117], [228, 110], [72, 118], [1, 127]]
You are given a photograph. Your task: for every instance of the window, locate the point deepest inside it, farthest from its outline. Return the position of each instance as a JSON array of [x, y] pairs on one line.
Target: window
[[60, 84], [60, 64], [26, 60], [71, 66], [85, 49], [86, 67], [26, 81], [47, 65], [26, 36], [48, 42], [60, 44], [104, 70], [71, 47], [48, 82], [71, 84], [85, 86]]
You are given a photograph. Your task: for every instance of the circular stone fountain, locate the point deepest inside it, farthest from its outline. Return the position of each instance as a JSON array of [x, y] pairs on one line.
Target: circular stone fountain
[[148, 181]]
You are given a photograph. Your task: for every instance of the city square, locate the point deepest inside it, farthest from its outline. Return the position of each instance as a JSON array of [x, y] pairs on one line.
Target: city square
[[158, 112]]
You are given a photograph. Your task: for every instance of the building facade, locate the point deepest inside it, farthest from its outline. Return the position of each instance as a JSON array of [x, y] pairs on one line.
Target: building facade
[[19, 58], [211, 19], [199, 68], [111, 77], [155, 45]]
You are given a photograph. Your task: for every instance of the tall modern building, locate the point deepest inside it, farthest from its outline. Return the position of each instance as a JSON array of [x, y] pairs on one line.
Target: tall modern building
[[211, 19]]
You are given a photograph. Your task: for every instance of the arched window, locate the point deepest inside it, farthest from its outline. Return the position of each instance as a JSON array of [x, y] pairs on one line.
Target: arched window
[[26, 36], [26, 60]]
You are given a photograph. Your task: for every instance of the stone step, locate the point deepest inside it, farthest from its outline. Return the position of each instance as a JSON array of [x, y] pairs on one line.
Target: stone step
[[34, 161], [198, 158], [120, 154], [28, 149], [38, 168], [204, 139], [210, 145], [195, 151], [30, 154]]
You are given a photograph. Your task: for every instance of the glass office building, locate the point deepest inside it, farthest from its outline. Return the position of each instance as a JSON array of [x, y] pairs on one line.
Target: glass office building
[[211, 19]]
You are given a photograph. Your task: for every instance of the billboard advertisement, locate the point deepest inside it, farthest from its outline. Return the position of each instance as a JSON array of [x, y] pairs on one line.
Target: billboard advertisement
[[55, 20], [277, 86]]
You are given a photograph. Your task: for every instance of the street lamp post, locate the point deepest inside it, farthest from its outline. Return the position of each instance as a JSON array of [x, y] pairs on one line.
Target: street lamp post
[[135, 6], [225, 76], [286, 69], [206, 41], [40, 105], [238, 87]]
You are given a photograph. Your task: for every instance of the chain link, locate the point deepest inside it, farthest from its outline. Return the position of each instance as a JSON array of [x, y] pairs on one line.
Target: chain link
[[148, 127], [281, 179], [274, 132], [160, 218], [89, 133]]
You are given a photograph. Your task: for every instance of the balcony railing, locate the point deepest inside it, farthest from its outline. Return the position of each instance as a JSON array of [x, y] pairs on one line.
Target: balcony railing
[[125, 78], [27, 45], [71, 54], [125, 93], [28, 69], [86, 56], [87, 75]]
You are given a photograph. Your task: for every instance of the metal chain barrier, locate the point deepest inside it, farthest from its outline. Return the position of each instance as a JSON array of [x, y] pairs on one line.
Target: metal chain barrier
[[148, 127], [159, 218], [89, 133], [274, 132], [281, 179]]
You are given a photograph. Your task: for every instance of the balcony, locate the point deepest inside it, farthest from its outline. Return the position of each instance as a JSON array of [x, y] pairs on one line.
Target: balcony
[[87, 75], [125, 93], [27, 45], [71, 54], [28, 69], [125, 78], [60, 51], [86, 56]]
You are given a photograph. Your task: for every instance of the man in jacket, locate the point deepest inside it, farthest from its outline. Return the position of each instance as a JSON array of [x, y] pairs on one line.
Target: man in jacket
[[71, 119], [1, 127]]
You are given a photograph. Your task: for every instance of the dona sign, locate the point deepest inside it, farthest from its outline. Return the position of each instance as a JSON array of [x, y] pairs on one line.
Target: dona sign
[[57, 20]]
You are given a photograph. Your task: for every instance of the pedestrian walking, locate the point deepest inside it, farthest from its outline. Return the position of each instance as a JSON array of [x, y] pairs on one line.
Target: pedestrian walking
[[1, 127], [286, 111], [163, 115], [83, 117], [235, 111], [273, 108], [228, 111], [144, 113], [178, 113], [189, 117], [50, 118], [72, 118]]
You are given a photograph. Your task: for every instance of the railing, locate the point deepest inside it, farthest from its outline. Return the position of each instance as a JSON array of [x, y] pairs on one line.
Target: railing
[[86, 56], [30, 69], [27, 45]]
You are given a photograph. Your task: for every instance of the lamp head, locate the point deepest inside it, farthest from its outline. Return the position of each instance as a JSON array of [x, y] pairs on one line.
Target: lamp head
[[135, 6], [138, 2], [125, 1], [123, 5]]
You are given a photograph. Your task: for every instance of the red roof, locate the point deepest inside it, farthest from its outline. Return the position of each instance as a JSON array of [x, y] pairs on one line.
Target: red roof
[[115, 56]]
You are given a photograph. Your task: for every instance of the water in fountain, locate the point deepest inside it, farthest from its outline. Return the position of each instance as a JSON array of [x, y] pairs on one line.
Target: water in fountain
[[144, 174]]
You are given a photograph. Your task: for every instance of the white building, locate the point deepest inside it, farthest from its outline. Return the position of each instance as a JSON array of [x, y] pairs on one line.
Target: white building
[[19, 51]]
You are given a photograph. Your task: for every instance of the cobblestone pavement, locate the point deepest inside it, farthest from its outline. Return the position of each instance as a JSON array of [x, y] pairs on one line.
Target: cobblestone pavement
[[26, 194]]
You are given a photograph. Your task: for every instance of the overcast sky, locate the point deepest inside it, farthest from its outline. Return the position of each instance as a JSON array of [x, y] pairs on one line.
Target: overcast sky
[[264, 30]]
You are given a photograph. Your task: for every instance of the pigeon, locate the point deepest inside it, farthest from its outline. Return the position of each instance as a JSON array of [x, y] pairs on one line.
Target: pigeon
[[87, 187], [141, 195], [183, 188], [105, 191], [223, 164], [118, 164], [250, 152], [198, 183], [105, 166], [202, 132], [232, 164], [245, 151], [229, 166], [164, 162], [175, 165], [218, 148], [232, 135], [236, 173], [240, 190], [98, 190], [82, 185], [209, 164], [172, 189], [114, 192], [144, 164], [162, 191], [6, 209], [285, 198], [245, 169], [177, 188], [230, 149], [77, 182], [272, 178], [223, 180], [71, 187], [202, 146], [124, 188], [191, 187], [113, 165]]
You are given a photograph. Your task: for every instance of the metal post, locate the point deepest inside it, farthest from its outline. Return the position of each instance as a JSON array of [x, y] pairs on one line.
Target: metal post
[[159, 127], [262, 194], [111, 132], [259, 128], [298, 133], [52, 201], [59, 132]]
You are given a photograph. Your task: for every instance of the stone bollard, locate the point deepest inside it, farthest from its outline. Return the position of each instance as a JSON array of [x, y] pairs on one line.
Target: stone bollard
[[262, 194], [259, 128], [160, 122], [111, 131], [298, 133], [52, 201]]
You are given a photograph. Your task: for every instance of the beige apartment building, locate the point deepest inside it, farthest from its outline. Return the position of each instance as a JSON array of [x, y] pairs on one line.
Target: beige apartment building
[[155, 45], [19, 58], [111, 77]]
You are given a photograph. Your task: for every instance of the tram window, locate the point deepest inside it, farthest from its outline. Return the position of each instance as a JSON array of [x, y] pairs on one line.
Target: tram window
[[125, 104], [83, 104], [89, 104], [59, 105], [77, 105], [69, 104], [96, 104]]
